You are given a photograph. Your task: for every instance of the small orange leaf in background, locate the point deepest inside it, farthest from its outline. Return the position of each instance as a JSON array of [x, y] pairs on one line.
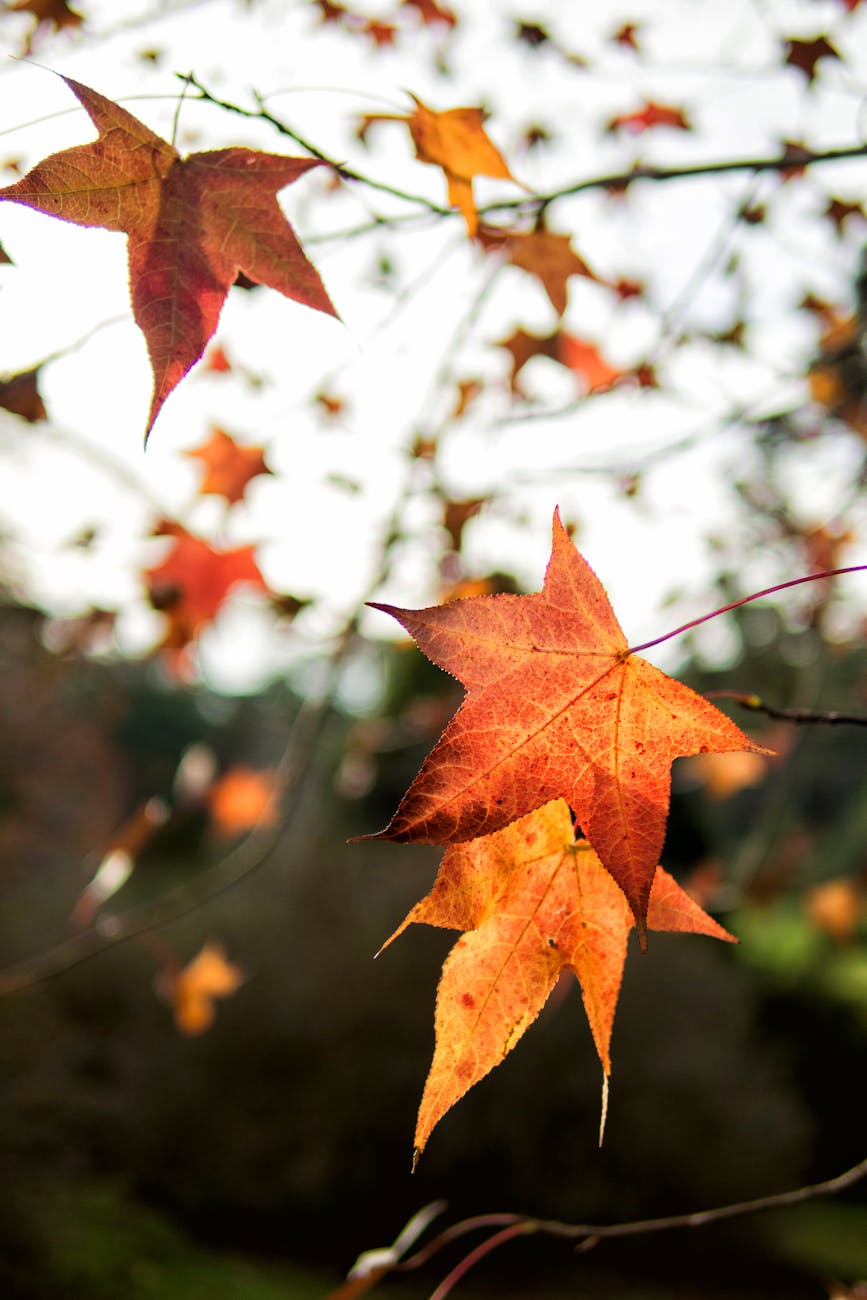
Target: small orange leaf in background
[[556, 705], [216, 360], [533, 903], [648, 117], [20, 395], [552, 259], [456, 141], [242, 799], [190, 585], [837, 907], [229, 466], [192, 225], [585, 360], [723, 775], [193, 990]]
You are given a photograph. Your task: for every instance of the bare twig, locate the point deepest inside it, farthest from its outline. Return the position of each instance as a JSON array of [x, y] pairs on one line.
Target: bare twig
[[758, 705], [587, 1235]]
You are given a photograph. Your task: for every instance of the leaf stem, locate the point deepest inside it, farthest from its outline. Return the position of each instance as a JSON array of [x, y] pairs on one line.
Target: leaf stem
[[745, 600]]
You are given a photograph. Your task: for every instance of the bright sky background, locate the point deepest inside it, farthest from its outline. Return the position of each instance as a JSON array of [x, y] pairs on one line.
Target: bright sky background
[[320, 537]]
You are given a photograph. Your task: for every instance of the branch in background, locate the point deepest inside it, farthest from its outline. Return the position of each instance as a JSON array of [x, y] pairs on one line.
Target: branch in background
[[586, 1235], [614, 181], [758, 705]]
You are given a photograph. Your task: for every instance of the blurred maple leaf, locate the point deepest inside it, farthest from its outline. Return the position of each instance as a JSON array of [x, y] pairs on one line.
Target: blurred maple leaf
[[193, 990], [191, 584], [838, 378], [4, 256], [381, 33], [20, 395], [331, 405], [579, 356], [840, 210], [192, 225], [229, 466], [217, 360], [556, 705], [651, 115], [804, 55], [242, 799], [468, 391], [552, 259], [723, 775], [456, 141], [533, 902], [627, 36], [456, 514], [431, 12], [837, 907], [51, 15]]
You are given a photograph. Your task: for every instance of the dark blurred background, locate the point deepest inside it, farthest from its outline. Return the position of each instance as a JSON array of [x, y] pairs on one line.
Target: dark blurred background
[[257, 1159]]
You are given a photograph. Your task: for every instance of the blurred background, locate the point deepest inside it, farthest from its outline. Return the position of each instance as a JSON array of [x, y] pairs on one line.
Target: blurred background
[[208, 1085]]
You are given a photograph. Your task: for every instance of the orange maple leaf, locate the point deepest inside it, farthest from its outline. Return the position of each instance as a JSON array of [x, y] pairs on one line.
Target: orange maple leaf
[[229, 466], [582, 358], [533, 901], [193, 990], [193, 224], [552, 259], [456, 141], [557, 705], [242, 799], [190, 585]]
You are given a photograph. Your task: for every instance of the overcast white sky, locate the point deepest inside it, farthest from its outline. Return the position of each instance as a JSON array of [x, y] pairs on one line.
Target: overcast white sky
[[320, 538]]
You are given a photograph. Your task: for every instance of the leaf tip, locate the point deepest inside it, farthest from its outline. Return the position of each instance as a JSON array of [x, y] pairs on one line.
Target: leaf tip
[[603, 1114]]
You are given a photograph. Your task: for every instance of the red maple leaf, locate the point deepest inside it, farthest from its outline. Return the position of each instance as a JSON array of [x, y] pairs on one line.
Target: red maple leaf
[[533, 902], [651, 115], [229, 465], [804, 55], [557, 705], [191, 584], [193, 224], [20, 395]]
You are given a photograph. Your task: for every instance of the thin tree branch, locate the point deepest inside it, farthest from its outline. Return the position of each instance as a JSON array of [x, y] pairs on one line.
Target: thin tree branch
[[622, 180], [588, 1235], [613, 181], [758, 705], [261, 113]]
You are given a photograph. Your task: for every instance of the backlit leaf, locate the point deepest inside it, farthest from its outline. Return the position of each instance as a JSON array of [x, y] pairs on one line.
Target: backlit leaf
[[556, 705], [192, 224], [533, 902]]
